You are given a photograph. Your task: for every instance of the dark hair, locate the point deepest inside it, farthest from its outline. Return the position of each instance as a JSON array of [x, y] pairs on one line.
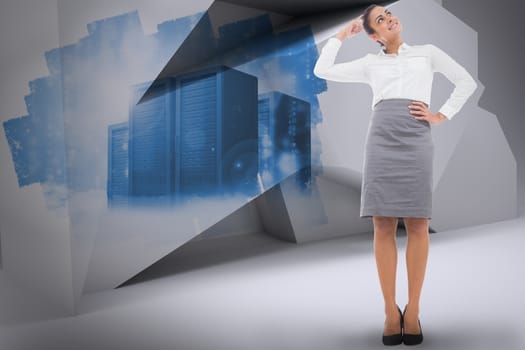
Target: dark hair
[[366, 22]]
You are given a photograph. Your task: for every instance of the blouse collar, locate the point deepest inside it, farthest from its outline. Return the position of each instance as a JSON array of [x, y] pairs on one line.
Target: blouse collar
[[403, 47]]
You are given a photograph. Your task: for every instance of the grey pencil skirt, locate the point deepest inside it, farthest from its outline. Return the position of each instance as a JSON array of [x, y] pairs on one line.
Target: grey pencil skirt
[[398, 162]]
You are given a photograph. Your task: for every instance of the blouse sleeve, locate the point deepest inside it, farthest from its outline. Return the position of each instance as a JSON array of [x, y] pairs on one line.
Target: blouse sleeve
[[465, 85], [352, 71]]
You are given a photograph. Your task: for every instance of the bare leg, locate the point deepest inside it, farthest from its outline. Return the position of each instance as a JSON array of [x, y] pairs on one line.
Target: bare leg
[[385, 251], [416, 257]]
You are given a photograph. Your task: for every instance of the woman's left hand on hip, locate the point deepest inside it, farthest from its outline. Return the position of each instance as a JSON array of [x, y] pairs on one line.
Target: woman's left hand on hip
[[421, 112]]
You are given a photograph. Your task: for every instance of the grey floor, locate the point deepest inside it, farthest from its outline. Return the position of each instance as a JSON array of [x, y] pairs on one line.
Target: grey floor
[[254, 292]]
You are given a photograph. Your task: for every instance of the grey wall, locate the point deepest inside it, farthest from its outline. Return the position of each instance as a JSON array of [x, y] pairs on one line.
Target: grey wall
[[30, 27], [0, 247], [501, 56]]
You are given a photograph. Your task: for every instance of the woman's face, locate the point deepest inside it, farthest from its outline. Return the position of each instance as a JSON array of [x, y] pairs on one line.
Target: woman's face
[[387, 26]]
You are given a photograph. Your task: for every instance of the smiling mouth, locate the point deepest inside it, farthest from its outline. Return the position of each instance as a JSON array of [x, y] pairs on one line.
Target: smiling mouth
[[393, 26]]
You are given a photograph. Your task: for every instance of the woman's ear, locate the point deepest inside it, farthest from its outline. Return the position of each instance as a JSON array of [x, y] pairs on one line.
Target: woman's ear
[[375, 37]]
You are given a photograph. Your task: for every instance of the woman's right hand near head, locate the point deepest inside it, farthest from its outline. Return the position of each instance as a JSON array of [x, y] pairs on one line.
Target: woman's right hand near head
[[351, 29]]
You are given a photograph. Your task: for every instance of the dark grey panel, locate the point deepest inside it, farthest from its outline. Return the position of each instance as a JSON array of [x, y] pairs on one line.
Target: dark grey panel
[[305, 7], [500, 60], [201, 47]]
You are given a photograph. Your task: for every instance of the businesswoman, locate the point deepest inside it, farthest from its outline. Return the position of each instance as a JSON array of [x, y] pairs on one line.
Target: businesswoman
[[399, 151]]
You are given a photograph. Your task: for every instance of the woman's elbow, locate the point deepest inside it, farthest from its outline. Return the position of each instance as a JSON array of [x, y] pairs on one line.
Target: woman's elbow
[[473, 85], [468, 84], [319, 72]]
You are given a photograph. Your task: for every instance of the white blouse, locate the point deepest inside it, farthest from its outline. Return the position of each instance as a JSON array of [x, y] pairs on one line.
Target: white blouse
[[408, 74]]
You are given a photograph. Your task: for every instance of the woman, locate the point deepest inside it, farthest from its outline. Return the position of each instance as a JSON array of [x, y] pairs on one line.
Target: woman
[[399, 151]]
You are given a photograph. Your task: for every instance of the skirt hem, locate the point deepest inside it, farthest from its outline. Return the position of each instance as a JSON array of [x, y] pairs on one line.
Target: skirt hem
[[369, 212]]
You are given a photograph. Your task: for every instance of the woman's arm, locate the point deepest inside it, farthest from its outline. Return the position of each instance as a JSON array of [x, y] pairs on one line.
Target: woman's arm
[[465, 85], [352, 71]]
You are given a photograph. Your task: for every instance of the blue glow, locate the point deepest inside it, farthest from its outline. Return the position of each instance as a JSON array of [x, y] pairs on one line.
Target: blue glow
[[77, 116]]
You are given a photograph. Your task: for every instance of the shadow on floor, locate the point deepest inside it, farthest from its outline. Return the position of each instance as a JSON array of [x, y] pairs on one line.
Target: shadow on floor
[[202, 253]]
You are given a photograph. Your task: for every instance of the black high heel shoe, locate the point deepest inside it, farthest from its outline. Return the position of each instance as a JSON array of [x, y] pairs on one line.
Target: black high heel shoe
[[412, 339], [395, 339]]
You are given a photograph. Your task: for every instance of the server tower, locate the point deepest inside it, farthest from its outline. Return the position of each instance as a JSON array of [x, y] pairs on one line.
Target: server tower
[[216, 133], [284, 138], [151, 136], [117, 178]]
